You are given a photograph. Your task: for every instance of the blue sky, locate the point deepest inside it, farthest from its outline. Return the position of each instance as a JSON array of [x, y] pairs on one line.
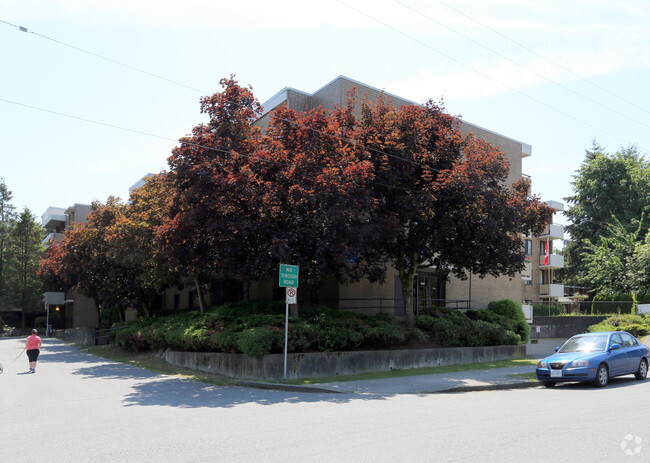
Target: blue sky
[[554, 74]]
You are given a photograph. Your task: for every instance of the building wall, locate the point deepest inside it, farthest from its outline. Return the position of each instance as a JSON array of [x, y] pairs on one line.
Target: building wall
[[84, 311]]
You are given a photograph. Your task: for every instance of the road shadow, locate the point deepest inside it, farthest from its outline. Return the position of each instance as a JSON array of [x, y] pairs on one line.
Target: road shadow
[[155, 389], [177, 392]]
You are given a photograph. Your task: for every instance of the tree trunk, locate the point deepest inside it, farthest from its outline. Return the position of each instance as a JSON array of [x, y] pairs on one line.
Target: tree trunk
[[199, 293], [146, 309], [406, 276]]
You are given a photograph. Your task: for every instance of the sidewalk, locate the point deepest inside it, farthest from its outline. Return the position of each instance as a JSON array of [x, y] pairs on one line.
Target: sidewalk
[[474, 380], [464, 381]]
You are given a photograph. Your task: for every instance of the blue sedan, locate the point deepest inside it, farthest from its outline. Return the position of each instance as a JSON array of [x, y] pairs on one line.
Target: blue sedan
[[595, 357]]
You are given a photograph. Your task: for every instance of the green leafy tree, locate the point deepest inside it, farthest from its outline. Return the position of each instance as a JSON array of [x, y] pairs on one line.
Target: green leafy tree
[[605, 187], [619, 262]]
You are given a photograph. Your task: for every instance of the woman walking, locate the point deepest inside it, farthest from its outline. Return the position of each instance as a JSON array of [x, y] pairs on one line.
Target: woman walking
[[33, 346]]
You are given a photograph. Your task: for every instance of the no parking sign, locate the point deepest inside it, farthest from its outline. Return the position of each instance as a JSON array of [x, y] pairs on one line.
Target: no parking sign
[[292, 296]]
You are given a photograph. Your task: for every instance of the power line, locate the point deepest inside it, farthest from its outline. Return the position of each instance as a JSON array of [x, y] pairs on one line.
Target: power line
[[522, 66], [24, 29], [185, 142], [128, 66], [460, 63], [545, 58]]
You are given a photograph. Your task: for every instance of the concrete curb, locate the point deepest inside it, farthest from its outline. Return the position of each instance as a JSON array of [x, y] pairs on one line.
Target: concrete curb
[[321, 390], [489, 387], [287, 387]]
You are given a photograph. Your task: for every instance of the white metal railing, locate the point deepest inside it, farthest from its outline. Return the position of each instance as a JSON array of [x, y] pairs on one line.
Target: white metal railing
[[554, 261], [551, 290], [553, 231]]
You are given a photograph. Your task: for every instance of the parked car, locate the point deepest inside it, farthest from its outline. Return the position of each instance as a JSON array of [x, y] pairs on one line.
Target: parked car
[[595, 357]]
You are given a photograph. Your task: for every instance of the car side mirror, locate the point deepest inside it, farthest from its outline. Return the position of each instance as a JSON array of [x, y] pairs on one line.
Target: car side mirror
[[557, 349], [614, 346]]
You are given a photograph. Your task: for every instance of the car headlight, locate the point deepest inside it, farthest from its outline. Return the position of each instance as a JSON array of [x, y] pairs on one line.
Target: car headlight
[[542, 364], [579, 363]]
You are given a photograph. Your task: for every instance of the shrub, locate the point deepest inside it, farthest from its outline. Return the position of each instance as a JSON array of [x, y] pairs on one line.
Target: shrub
[[637, 325], [260, 341], [385, 334], [512, 311]]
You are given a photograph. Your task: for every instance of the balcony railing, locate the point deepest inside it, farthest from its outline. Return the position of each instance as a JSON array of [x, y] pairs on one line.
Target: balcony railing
[[52, 237], [551, 290], [53, 217], [553, 231], [554, 261]]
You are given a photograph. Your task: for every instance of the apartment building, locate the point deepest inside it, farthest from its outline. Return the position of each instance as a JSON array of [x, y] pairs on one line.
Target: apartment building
[[68, 309], [535, 284]]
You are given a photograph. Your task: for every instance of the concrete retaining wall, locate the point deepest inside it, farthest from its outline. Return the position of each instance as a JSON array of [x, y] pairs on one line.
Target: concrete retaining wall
[[322, 364], [83, 336], [562, 327]]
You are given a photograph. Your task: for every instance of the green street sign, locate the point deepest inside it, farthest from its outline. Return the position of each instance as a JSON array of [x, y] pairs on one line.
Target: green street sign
[[288, 276]]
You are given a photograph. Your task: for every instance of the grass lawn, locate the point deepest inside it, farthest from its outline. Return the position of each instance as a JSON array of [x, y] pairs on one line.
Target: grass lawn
[[148, 361]]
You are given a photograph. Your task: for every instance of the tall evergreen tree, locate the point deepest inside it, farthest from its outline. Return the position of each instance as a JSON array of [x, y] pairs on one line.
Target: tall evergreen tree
[[7, 217], [26, 249]]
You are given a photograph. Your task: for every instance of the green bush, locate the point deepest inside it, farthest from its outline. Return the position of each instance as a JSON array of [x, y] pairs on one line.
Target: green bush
[[253, 328], [475, 328], [260, 341], [636, 324], [512, 311]]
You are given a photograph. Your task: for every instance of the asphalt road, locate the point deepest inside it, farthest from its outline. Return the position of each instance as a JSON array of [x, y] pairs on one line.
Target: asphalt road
[[81, 408]]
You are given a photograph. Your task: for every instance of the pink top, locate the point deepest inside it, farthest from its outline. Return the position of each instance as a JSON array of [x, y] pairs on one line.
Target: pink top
[[33, 342]]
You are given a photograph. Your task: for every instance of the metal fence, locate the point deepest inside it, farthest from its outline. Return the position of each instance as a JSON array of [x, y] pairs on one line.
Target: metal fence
[[392, 306]]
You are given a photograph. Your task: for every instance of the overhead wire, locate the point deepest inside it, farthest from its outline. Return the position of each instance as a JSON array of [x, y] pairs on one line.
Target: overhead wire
[[481, 73], [184, 142], [24, 29], [96, 55], [548, 60], [501, 55]]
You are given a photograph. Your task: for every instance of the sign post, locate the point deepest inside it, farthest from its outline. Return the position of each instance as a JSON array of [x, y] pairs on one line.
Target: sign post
[[289, 280]]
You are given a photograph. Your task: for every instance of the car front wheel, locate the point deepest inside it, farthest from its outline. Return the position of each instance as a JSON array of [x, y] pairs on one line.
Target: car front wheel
[[602, 376], [642, 372]]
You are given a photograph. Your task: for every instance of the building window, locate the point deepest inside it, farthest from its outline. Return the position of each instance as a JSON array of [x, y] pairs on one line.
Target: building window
[[543, 278], [528, 247], [527, 273], [177, 301], [428, 290]]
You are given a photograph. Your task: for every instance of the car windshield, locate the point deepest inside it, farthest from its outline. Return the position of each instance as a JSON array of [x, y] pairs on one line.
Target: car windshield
[[596, 343]]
